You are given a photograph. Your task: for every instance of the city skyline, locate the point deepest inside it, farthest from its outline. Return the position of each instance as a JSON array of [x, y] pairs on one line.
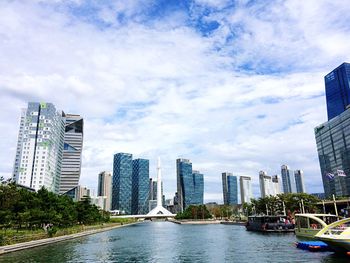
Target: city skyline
[[234, 87]]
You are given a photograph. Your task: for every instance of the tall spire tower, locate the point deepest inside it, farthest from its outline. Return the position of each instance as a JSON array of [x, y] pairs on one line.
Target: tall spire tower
[[159, 209]]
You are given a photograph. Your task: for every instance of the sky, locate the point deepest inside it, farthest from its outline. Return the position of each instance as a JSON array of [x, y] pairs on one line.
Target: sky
[[234, 86]]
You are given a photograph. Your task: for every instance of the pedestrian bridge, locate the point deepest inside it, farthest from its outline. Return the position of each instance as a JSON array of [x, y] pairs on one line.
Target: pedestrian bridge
[[148, 216]]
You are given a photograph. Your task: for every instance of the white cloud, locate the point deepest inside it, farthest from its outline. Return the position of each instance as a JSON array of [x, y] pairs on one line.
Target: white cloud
[[162, 89]]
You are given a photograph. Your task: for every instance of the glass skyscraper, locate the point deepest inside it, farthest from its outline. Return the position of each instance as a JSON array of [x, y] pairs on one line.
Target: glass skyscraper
[[333, 146], [40, 147], [198, 188], [299, 181], [122, 183], [189, 185], [140, 186], [288, 181], [229, 189], [337, 85]]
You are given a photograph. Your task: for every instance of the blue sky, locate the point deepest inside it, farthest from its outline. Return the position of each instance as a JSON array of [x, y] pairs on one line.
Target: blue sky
[[234, 86]]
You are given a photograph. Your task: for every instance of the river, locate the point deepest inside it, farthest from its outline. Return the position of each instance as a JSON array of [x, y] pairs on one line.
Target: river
[[169, 242]]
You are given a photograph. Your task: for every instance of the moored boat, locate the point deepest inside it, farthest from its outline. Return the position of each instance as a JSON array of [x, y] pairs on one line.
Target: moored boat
[[308, 225], [336, 235], [269, 224]]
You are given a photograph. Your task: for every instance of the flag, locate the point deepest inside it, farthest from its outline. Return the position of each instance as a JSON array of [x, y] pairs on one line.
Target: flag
[[341, 173], [330, 176]]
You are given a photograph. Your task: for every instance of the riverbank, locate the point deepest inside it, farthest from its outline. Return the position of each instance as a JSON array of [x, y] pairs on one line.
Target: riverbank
[[46, 241]]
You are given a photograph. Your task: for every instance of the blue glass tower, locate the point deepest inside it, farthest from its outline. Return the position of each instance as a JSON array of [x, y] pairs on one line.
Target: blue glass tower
[[122, 182], [337, 85], [140, 186], [198, 182], [190, 185], [230, 189]]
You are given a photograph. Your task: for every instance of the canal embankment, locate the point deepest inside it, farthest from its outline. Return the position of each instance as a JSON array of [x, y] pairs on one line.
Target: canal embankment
[[50, 240]]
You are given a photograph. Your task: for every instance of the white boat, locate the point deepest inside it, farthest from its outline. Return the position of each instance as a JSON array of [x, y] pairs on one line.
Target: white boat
[[336, 235], [308, 225]]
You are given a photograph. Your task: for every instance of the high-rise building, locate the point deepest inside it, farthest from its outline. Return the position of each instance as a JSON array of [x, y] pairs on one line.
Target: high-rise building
[[299, 181], [337, 85], [276, 187], [246, 189], [266, 188], [187, 184], [78, 193], [73, 145], [39, 147], [198, 187], [184, 182], [122, 183], [229, 189], [105, 188], [140, 186], [288, 181], [153, 189], [333, 146]]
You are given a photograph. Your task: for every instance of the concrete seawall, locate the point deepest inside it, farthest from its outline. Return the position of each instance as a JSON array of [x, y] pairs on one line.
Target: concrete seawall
[[46, 241]]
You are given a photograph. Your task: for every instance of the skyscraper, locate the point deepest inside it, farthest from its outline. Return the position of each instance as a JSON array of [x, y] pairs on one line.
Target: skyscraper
[[73, 145], [229, 189], [140, 186], [299, 181], [276, 187], [122, 183], [105, 188], [198, 187], [333, 146], [39, 147], [338, 90], [266, 188], [287, 180], [187, 184], [246, 189]]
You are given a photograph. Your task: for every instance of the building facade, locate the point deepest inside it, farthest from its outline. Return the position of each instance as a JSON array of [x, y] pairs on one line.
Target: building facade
[[187, 184], [198, 181], [276, 186], [140, 186], [39, 150], [288, 181], [266, 188], [337, 85], [72, 151], [104, 188], [246, 189], [229, 189], [299, 181], [78, 193], [122, 183], [333, 147]]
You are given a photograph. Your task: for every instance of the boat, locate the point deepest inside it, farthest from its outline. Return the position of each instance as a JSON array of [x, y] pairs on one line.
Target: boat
[[336, 235], [308, 225], [269, 224]]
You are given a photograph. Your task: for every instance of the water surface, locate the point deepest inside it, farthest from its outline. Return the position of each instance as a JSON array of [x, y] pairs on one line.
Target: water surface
[[169, 242]]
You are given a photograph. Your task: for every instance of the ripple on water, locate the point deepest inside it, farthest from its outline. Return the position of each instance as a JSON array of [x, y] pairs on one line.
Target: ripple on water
[[168, 242]]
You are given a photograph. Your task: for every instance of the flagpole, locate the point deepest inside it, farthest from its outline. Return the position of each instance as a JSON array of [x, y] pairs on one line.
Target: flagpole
[[335, 206]]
